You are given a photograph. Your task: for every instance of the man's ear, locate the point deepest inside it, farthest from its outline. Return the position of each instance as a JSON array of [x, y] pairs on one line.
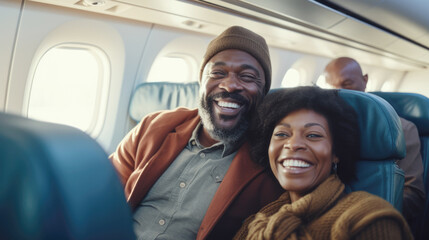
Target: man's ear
[[365, 78]]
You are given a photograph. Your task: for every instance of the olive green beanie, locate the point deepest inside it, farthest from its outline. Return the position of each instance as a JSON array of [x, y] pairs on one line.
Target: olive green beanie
[[245, 40]]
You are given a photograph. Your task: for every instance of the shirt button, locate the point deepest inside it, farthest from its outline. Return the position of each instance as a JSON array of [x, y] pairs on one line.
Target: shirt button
[[193, 143], [217, 178], [161, 222], [202, 155], [182, 185]]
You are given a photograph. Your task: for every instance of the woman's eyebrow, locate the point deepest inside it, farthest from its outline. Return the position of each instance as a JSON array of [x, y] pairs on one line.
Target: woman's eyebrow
[[314, 124]]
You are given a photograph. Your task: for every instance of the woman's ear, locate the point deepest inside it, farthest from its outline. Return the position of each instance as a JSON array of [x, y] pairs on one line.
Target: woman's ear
[[335, 162], [335, 159]]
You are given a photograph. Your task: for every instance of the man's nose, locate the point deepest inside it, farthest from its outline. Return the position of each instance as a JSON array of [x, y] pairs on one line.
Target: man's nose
[[231, 83]]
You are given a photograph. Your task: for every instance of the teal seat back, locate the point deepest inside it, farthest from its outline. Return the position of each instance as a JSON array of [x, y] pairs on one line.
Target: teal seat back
[[57, 183], [150, 97], [382, 143], [415, 108], [382, 138]]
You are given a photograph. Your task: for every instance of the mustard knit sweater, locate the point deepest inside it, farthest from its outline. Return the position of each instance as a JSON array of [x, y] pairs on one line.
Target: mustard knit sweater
[[327, 213]]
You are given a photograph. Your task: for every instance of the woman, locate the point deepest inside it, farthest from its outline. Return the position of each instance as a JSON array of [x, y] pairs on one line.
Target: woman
[[310, 139]]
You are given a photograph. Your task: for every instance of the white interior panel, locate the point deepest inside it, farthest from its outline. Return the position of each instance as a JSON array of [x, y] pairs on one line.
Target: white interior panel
[[416, 81], [9, 19], [122, 41], [362, 33]]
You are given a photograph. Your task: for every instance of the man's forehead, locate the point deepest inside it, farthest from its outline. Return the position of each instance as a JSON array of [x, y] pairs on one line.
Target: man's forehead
[[234, 57], [242, 66], [234, 54]]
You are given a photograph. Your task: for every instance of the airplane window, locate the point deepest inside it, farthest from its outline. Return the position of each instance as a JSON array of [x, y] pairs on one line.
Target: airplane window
[[321, 82], [170, 69], [291, 78], [70, 87], [388, 86]]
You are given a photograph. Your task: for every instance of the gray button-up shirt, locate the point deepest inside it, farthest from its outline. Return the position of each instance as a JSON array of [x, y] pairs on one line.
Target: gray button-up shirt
[[176, 204]]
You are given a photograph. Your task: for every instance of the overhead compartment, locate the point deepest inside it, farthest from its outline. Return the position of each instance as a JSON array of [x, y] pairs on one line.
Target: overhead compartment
[[379, 27], [376, 29]]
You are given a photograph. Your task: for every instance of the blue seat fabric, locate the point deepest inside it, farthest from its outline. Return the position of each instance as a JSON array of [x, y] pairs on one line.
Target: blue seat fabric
[[57, 183], [382, 141], [415, 108], [150, 97]]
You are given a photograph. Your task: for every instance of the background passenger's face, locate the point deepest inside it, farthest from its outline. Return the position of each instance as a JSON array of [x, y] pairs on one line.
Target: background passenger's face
[[300, 151], [346, 77], [232, 86]]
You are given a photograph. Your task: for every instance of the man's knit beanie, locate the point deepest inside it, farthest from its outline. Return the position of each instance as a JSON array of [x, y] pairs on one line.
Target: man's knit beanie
[[245, 40]]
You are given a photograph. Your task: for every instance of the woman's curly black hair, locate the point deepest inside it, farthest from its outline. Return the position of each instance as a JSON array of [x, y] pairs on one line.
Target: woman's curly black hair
[[341, 118]]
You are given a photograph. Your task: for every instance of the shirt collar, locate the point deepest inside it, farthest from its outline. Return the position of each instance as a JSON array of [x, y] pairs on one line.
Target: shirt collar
[[227, 148]]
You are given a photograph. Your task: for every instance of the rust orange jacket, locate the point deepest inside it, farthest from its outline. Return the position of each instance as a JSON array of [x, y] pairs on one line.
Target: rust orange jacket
[[149, 149]]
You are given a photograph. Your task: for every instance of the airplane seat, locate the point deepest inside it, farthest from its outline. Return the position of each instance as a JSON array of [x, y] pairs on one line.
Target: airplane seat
[[415, 108], [150, 97], [382, 143], [382, 140], [57, 183]]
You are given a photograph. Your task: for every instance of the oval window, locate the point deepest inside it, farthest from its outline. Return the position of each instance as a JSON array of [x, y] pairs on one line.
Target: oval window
[[291, 78], [70, 86], [171, 68]]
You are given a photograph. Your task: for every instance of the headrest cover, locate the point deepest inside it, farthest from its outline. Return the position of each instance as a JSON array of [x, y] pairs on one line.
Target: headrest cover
[[155, 96], [381, 131], [411, 106]]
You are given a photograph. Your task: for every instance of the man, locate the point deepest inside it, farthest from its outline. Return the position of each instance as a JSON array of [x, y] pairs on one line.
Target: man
[[346, 73], [188, 173]]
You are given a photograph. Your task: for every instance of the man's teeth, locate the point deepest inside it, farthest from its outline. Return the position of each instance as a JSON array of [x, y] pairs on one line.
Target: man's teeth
[[228, 104], [295, 163]]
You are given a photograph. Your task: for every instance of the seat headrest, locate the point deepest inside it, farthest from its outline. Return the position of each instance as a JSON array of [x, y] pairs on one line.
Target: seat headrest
[[411, 106], [150, 97], [381, 131], [56, 182]]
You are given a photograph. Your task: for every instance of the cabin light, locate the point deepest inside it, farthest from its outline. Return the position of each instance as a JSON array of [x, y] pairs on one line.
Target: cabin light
[[192, 24], [94, 3]]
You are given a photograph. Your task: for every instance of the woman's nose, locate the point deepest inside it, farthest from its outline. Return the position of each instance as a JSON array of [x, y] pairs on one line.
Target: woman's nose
[[294, 143]]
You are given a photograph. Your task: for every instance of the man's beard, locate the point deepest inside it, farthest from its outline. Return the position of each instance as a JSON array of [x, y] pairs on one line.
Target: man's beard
[[228, 135]]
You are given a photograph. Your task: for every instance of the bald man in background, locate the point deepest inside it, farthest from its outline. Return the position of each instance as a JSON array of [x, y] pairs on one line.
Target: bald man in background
[[346, 73]]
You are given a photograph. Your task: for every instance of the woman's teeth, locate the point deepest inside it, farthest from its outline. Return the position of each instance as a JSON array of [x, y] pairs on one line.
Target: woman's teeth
[[295, 163]]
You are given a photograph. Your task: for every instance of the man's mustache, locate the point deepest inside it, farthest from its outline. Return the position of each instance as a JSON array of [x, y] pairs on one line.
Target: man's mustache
[[237, 97]]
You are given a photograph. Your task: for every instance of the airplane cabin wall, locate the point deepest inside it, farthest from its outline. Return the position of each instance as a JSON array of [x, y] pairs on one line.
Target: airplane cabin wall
[[163, 41], [44, 26], [413, 82], [382, 79], [10, 10], [133, 47]]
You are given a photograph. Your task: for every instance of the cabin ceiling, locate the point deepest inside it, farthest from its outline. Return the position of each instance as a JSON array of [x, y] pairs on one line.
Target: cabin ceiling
[[388, 33]]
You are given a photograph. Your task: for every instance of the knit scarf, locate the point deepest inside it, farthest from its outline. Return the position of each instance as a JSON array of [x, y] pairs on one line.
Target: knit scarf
[[285, 220]]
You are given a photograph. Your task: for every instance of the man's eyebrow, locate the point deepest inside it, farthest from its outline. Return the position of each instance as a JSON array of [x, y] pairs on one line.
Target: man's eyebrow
[[247, 66], [243, 66], [218, 64]]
